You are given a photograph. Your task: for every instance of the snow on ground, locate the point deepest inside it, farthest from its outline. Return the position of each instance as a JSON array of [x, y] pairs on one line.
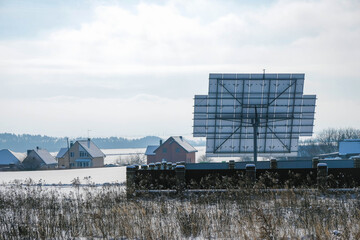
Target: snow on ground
[[65, 176], [98, 175]]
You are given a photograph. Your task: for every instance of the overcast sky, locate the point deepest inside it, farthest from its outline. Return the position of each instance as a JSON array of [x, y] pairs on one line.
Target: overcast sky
[[132, 68]]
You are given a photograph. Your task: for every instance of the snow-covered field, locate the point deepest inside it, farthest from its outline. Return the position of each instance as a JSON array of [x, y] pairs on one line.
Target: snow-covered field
[[97, 175], [65, 176]]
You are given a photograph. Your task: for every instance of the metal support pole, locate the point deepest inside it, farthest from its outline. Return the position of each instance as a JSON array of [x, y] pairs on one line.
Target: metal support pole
[[250, 172], [315, 162], [164, 164], [130, 180], [180, 177], [273, 163], [152, 166], [255, 126], [322, 173], [232, 164]]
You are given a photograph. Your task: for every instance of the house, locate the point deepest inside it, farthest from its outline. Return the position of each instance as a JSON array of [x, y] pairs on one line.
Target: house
[[39, 159], [10, 159], [82, 153], [174, 149]]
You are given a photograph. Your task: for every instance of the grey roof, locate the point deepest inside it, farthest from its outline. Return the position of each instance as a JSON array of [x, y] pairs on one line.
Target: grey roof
[[8, 157], [181, 141], [184, 144], [150, 150], [45, 156], [91, 148], [61, 153], [19, 156]]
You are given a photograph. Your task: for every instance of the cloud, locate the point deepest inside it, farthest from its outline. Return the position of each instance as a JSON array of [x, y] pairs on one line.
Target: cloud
[[159, 38], [167, 50]]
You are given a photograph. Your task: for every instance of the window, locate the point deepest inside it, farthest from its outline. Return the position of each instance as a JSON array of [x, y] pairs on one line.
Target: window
[[72, 154], [164, 150], [83, 154]]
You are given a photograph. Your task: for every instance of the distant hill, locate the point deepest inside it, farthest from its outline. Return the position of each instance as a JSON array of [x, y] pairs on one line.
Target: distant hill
[[23, 142]]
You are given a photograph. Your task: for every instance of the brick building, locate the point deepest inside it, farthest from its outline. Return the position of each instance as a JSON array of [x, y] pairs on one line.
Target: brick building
[[174, 149]]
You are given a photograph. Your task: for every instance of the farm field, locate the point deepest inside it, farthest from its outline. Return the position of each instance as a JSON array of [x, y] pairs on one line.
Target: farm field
[[37, 212], [65, 176]]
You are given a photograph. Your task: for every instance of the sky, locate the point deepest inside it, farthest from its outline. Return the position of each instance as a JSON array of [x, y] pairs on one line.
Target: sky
[[131, 68]]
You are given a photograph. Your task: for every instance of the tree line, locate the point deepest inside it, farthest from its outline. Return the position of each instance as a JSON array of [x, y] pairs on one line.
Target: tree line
[[23, 142], [326, 141]]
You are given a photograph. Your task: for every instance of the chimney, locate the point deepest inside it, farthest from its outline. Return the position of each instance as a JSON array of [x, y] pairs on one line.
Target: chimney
[[28, 152], [37, 148], [71, 143], [160, 142], [88, 141], [181, 138]]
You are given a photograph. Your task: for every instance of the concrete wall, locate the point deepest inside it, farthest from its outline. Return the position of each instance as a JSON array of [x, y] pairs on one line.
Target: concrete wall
[[98, 162]]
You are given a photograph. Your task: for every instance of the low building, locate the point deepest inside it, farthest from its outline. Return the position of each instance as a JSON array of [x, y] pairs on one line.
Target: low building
[[174, 149], [10, 159], [348, 148], [39, 159], [81, 154]]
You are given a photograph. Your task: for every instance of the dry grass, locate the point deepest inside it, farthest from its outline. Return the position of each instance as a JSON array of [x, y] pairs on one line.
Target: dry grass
[[36, 212]]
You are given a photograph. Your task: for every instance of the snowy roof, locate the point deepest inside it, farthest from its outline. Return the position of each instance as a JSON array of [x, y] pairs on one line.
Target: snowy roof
[[61, 153], [184, 144], [91, 148], [8, 157], [150, 150], [45, 156], [181, 141], [19, 156]]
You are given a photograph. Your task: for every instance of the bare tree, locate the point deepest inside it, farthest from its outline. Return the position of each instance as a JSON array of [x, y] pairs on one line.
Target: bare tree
[[204, 158], [331, 136], [137, 158], [327, 141]]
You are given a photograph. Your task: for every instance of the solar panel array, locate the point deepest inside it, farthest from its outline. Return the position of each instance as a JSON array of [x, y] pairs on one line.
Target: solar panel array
[[226, 115]]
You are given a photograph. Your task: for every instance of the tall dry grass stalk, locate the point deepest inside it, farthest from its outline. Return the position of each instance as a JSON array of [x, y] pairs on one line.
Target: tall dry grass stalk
[[29, 211]]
